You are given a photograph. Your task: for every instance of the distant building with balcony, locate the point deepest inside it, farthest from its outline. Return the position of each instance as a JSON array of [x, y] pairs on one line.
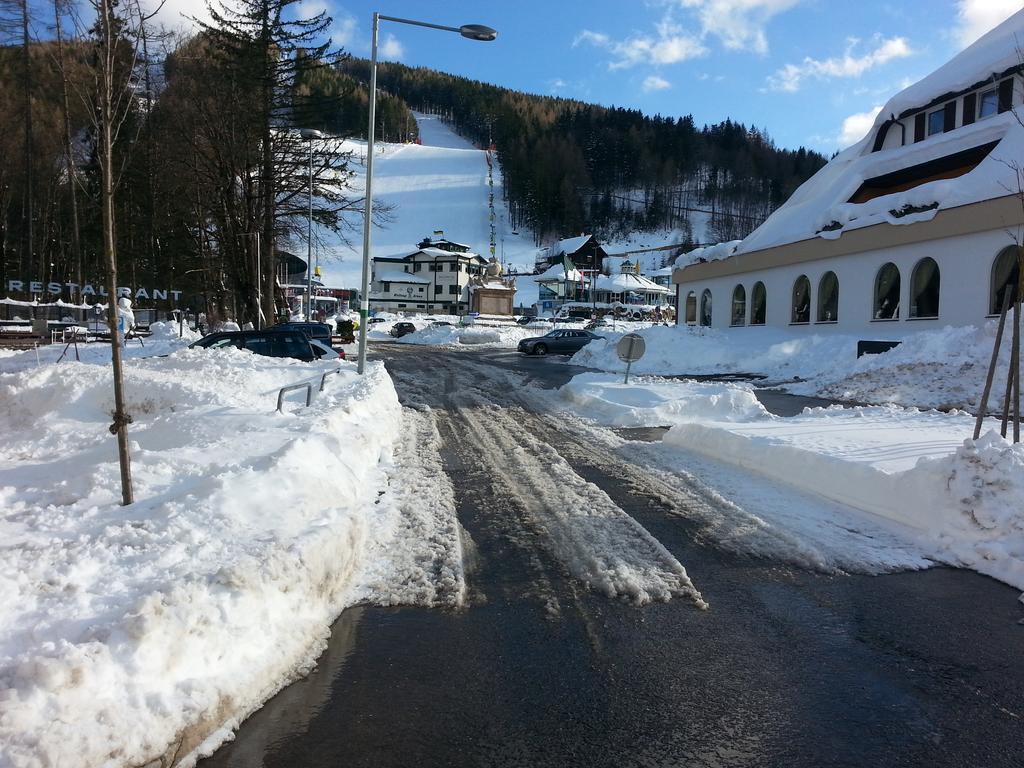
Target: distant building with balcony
[[430, 279]]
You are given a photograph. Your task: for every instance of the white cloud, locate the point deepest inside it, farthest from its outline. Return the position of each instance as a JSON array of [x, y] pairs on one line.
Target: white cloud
[[343, 30], [655, 83], [391, 48], [976, 17], [595, 38], [669, 45], [739, 24], [791, 76], [855, 127]]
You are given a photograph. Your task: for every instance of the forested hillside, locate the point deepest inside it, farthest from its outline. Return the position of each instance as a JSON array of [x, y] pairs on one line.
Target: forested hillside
[[571, 167]]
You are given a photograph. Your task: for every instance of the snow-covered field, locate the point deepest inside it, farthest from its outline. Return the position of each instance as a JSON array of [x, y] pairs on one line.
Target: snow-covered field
[[132, 633], [959, 501]]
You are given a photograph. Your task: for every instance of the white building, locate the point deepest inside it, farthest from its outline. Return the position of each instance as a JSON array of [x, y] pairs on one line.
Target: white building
[[914, 227], [429, 279]]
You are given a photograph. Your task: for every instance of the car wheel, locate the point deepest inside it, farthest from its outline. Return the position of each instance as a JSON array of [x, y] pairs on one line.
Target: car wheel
[[540, 349]]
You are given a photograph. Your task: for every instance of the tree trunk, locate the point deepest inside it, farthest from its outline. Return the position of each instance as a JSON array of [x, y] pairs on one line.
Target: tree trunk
[[106, 115]]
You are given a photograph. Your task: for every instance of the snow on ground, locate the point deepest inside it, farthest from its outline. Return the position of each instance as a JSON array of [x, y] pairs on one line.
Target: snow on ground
[[163, 341], [963, 498], [752, 514], [131, 633], [649, 401], [930, 369], [960, 501]]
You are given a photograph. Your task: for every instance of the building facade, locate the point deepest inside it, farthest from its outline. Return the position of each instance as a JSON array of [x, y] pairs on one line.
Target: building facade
[[427, 280], [914, 227]]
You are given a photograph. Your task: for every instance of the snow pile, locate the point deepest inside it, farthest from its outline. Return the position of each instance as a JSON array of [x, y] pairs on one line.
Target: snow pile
[[652, 401], [943, 368], [478, 335], [169, 331], [962, 499], [164, 341], [133, 633], [715, 252]]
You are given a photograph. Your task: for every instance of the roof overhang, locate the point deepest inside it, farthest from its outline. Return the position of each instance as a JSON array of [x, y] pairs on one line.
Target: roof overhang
[[994, 214]]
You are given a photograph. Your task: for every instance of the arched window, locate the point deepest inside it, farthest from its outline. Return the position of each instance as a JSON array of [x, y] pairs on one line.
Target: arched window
[[758, 304], [739, 306], [924, 289], [801, 300], [691, 308], [887, 293], [828, 298], [705, 307], [1005, 273]]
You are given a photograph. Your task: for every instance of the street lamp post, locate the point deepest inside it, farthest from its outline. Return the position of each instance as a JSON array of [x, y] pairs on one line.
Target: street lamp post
[[469, 31], [308, 135]]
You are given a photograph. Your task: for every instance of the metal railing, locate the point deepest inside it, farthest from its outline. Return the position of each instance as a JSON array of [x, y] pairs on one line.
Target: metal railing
[[323, 379], [306, 385]]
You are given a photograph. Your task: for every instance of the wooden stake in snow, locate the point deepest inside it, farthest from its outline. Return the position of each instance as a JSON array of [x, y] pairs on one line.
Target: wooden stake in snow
[[983, 406]]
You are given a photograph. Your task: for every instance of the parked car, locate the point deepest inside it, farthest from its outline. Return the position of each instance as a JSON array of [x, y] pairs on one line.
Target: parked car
[[398, 330], [320, 331], [439, 323], [559, 342], [326, 352], [373, 320], [525, 320], [271, 342]]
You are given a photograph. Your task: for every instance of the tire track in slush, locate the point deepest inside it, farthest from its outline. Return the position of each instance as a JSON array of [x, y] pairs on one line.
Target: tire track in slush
[[572, 519]]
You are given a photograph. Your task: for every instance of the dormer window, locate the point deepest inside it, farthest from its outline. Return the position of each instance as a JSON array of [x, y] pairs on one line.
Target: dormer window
[[936, 120], [988, 103]]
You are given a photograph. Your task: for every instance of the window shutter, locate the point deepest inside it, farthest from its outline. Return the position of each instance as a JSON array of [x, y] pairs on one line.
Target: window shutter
[[919, 119], [1006, 95], [949, 117], [970, 108]]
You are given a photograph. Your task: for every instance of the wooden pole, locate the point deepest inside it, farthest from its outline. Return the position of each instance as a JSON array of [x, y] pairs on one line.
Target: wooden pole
[[983, 406], [1015, 370]]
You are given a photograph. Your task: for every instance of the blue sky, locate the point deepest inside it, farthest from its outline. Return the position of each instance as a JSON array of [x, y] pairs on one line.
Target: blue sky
[[810, 71]]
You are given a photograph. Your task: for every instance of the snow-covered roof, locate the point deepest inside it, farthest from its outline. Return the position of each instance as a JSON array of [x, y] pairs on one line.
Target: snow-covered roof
[[441, 253], [431, 252], [397, 276], [820, 207], [628, 282], [663, 272], [556, 274], [570, 245], [708, 253]]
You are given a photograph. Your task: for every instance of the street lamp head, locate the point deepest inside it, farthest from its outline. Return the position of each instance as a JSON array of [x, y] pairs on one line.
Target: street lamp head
[[478, 32], [308, 134]]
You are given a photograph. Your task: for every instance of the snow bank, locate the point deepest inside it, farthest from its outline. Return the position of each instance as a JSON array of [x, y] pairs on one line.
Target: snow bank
[[943, 368], [963, 498], [133, 633], [163, 341], [651, 401]]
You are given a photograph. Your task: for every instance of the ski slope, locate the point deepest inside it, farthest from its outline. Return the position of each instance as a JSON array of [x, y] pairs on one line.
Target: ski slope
[[441, 184]]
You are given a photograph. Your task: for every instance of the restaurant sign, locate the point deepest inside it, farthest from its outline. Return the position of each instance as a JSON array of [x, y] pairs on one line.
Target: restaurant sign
[[84, 290]]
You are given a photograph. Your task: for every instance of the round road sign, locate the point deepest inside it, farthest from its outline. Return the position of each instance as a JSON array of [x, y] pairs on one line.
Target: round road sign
[[631, 348]]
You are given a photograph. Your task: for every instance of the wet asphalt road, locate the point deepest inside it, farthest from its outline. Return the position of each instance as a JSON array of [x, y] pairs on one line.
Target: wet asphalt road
[[787, 667]]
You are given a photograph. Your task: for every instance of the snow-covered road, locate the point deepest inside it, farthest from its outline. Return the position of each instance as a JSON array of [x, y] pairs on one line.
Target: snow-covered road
[[588, 556]]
